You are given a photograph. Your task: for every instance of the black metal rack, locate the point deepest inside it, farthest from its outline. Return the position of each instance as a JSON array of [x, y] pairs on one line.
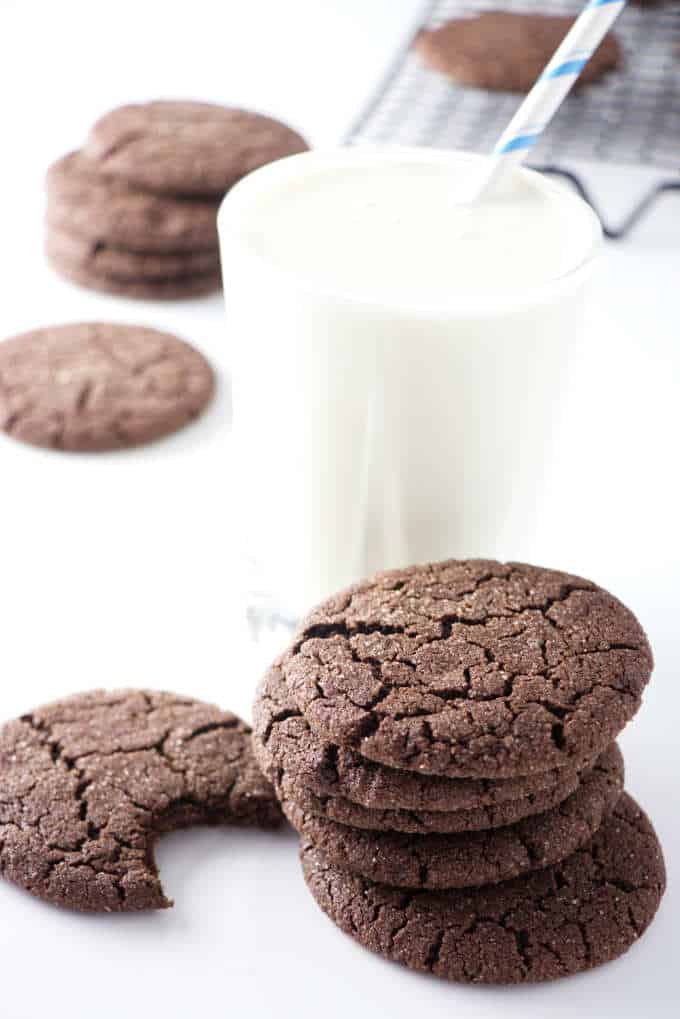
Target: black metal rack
[[630, 117]]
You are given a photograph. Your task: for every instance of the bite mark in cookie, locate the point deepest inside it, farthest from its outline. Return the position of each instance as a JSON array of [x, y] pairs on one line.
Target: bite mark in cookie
[[88, 784]]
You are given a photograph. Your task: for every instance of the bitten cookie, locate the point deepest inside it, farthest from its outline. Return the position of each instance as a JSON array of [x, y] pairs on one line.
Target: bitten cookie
[[585, 911], [97, 386], [470, 669], [187, 148], [470, 858], [85, 202], [506, 51], [88, 784], [338, 783]]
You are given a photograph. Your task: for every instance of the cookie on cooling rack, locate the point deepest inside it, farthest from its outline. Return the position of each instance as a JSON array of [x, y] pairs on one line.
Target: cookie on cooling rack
[[504, 51]]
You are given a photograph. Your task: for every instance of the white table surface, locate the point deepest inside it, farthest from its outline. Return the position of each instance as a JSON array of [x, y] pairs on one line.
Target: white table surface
[[116, 568]]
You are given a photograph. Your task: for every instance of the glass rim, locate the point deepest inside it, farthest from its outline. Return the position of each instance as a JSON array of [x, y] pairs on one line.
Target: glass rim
[[262, 180]]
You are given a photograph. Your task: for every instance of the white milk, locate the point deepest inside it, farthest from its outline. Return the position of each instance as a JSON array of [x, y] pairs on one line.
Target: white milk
[[397, 358]]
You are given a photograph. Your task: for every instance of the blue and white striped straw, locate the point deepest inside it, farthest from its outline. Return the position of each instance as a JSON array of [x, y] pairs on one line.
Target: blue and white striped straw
[[547, 95]]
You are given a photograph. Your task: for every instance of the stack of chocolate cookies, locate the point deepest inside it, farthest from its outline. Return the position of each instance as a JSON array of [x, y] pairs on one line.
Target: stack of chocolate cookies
[[134, 211], [443, 739]]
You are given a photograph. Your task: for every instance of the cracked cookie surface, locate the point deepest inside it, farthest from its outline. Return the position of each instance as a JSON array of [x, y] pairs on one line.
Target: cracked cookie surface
[[506, 50], [338, 783], [88, 784], [470, 669], [583, 912], [464, 859], [187, 148], [85, 202], [97, 386]]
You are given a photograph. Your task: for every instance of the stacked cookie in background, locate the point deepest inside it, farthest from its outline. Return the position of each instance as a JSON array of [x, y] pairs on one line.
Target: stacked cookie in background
[[443, 738], [134, 211]]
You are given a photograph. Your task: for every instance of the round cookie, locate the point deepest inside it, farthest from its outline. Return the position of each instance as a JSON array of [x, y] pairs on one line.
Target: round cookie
[[466, 859], [187, 148], [338, 783], [470, 669], [83, 201], [583, 912], [172, 289], [507, 51], [88, 784], [103, 259], [97, 386]]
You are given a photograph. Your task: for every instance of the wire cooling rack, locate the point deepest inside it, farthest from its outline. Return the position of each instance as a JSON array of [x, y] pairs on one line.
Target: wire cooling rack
[[631, 116]]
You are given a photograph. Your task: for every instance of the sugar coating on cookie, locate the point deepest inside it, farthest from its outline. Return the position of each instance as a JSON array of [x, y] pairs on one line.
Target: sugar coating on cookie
[[462, 860], [98, 386], [506, 50], [470, 669], [583, 912], [188, 148], [88, 784]]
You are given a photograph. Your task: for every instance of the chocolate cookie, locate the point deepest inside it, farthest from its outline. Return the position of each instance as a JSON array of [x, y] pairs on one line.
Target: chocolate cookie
[[469, 858], [102, 259], [583, 912], [187, 148], [173, 289], [412, 822], [89, 783], [340, 784], [506, 51], [96, 386], [83, 201], [470, 669]]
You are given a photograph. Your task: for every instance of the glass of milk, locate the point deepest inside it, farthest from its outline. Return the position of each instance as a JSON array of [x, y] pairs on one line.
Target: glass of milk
[[397, 356]]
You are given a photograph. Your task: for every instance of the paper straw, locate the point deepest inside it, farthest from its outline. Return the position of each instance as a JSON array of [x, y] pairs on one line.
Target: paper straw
[[556, 81]]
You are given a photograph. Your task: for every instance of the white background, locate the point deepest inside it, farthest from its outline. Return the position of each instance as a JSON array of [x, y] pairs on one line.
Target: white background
[[116, 569]]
